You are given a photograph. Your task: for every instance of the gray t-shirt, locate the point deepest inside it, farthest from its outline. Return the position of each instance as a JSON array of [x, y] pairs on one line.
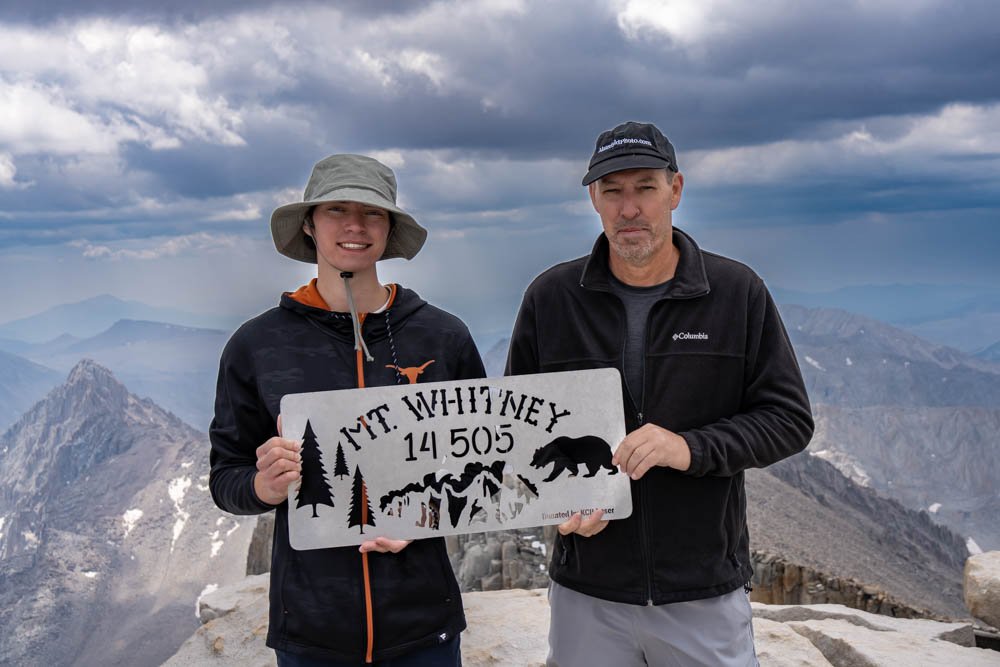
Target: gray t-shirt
[[637, 301]]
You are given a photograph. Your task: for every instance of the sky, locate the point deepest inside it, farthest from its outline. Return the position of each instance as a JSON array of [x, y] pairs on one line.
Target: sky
[[827, 145]]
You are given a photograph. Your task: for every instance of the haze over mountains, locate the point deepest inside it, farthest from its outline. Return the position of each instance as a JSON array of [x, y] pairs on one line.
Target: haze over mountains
[[965, 317]]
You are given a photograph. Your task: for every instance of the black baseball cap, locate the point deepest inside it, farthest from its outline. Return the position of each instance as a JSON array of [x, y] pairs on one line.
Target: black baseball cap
[[631, 145]]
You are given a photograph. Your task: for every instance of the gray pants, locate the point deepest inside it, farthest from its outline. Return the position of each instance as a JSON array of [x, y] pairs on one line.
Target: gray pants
[[589, 632]]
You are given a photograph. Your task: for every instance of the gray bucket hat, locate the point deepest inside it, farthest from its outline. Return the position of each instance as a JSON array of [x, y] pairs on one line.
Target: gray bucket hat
[[346, 178]]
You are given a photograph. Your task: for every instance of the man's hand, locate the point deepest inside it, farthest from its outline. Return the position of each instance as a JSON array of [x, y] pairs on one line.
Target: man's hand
[[649, 446], [384, 545], [279, 463], [588, 527]]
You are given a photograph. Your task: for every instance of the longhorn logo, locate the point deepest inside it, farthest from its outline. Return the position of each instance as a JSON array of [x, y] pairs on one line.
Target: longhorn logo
[[411, 372]]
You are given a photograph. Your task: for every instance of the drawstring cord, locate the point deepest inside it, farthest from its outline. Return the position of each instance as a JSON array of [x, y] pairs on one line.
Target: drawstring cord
[[359, 342]]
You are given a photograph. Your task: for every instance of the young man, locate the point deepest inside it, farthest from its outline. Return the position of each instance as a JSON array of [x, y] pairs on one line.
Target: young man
[[395, 601], [711, 388]]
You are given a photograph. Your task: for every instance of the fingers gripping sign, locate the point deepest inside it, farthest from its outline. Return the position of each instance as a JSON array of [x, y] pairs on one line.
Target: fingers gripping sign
[[649, 446], [588, 527], [384, 545], [279, 463]]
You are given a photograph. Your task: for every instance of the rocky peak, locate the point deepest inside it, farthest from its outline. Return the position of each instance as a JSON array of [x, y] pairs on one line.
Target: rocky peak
[[91, 383], [78, 425]]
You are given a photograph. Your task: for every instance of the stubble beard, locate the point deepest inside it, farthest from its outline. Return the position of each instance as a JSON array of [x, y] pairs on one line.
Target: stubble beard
[[636, 252]]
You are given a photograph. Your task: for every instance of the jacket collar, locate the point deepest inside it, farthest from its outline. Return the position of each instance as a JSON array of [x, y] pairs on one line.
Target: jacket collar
[[690, 279], [307, 302]]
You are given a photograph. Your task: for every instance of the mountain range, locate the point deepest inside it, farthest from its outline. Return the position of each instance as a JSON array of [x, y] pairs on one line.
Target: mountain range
[[89, 317], [915, 421], [966, 317], [174, 365], [107, 530]]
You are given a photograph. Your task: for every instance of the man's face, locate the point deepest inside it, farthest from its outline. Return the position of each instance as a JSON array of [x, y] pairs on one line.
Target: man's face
[[349, 236], [635, 206]]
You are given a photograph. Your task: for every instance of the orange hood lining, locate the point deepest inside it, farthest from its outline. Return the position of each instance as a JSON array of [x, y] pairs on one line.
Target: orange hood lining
[[308, 295]]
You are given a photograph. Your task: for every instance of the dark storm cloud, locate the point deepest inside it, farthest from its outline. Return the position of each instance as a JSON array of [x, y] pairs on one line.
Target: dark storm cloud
[[179, 11], [519, 88]]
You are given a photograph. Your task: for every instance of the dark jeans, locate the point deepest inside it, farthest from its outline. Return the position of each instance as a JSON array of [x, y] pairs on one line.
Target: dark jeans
[[447, 654]]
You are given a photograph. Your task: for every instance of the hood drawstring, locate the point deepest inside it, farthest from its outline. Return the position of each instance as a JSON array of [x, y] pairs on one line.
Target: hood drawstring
[[359, 342]]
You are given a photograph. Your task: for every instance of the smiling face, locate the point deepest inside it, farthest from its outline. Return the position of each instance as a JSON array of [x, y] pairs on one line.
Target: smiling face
[[349, 236], [636, 206]]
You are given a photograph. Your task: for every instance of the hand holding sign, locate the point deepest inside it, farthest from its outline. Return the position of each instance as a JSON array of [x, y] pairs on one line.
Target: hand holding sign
[[279, 463], [382, 465], [651, 445]]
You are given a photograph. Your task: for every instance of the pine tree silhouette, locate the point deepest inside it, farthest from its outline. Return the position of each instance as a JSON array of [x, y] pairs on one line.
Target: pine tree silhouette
[[315, 488], [340, 467], [361, 511]]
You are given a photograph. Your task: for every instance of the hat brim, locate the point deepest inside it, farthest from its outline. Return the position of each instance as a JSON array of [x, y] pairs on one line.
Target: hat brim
[[623, 162], [405, 239]]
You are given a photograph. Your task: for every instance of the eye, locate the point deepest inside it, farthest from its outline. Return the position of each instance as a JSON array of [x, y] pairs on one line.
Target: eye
[[375, 213]]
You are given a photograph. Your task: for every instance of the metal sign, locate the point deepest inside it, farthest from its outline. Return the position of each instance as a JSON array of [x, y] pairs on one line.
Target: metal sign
[[465, 456]]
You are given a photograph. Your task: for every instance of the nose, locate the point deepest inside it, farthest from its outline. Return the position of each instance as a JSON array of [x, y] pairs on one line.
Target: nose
[[354, 220], [629, 208]]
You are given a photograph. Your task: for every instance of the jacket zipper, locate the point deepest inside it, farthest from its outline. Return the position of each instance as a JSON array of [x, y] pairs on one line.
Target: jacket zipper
[[643, 527], [369, 621]]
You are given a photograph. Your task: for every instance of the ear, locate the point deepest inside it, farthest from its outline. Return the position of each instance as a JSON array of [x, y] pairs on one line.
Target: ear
[[305, 229], [592, 189], [676, 187]]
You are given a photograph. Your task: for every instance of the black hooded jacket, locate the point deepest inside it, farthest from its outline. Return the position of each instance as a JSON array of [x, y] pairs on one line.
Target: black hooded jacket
[[720, 371], [318, 597]]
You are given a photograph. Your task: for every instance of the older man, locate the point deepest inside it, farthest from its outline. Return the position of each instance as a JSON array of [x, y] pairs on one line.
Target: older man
[[711, 388]]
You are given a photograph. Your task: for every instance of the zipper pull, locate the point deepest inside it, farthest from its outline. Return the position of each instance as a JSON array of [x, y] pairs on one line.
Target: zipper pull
[[640, 419]]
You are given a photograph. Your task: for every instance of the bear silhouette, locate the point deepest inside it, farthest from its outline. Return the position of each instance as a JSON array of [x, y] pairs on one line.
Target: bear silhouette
[[569, 453]]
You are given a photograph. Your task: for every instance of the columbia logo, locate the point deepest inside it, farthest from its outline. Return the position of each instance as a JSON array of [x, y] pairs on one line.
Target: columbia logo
[[686, 335], [443, 636]]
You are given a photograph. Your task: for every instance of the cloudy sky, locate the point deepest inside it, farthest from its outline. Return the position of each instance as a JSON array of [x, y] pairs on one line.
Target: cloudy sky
[[828, 144]]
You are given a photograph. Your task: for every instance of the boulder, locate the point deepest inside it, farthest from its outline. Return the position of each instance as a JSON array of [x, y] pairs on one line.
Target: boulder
[[844, 643], [982, 587], [475, 566], [779, 646], [509, 628]]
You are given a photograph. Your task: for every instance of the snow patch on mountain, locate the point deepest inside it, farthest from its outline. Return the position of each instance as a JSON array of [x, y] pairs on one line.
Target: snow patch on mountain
[[130, 518], [176, 489], [973, 548], [815, 364], [934, 508], [210, 588]]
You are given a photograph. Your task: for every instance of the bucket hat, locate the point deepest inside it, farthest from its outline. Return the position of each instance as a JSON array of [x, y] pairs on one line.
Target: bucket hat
[[346, 177]]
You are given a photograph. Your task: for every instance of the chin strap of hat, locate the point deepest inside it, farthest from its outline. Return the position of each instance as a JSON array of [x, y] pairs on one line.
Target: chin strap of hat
[[359, 342]]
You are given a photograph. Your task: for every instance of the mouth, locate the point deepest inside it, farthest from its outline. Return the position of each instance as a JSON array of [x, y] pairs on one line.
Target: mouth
[[347, 245], [631, 229]]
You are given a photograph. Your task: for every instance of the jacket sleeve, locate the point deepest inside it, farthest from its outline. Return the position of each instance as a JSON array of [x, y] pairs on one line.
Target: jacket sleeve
[[240, 426], [522, 353], [470, 364], [774, 420]]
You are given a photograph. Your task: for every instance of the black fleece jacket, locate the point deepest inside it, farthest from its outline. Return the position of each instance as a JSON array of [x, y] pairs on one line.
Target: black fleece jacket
[[720, 371], [317, 597]]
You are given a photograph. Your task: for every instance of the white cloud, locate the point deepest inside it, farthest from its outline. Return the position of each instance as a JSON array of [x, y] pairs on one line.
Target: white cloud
[[8, 172], [911, 145], [92, 85], [153, 249]]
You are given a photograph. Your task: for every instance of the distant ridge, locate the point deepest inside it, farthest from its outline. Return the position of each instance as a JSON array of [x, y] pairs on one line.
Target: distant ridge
[[91, 316]]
